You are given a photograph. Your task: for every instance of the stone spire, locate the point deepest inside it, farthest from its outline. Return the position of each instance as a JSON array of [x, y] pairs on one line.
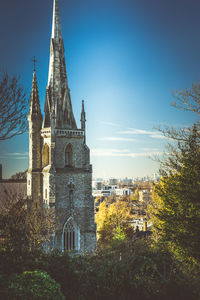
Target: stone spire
[[56, 25], [58, 107], [83, 118], [35, 101], [35, 125]]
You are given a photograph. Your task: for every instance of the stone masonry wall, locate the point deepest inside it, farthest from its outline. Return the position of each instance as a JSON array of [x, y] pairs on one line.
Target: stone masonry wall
[[80, 157], [81, 207]]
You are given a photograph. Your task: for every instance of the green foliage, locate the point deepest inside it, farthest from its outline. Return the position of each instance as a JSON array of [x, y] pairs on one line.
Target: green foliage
[[113, 222], [14, 230], [135, 196], [33, 285], [22, 229], [119, 234], [176, 218], [121, 272], [115, 273]]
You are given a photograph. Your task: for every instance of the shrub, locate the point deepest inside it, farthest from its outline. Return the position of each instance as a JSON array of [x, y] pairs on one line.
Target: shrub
[[33, 285]]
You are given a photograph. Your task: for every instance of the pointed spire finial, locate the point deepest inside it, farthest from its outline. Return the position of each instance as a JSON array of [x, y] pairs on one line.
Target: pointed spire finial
[[83, 109], [58, 93], [34, 60], [56, 25], [35, 102], [83, 118]]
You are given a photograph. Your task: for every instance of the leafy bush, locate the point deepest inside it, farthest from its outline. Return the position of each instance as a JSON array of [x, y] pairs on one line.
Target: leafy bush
[[33, 285], [136, 272], [123, 271]]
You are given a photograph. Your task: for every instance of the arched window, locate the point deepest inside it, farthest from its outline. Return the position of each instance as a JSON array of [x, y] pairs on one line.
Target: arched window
[[69, 155], [71, 236], [45, 156]]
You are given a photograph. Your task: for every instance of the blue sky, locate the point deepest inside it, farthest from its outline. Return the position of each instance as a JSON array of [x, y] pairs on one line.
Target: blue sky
[[123, 58]]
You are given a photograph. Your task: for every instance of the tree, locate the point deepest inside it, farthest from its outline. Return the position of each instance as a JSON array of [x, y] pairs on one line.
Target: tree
[[113, 222], [135, 196], [188, 99], [14, 231], [13, 107], [23, 228], [176, 218], [19, 176]]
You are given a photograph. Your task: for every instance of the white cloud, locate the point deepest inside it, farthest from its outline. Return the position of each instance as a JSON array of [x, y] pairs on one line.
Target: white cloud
[[137, 131], [122, 153], [14, 155], [152, 134], [113, 139], [158, 136], [108, 152]]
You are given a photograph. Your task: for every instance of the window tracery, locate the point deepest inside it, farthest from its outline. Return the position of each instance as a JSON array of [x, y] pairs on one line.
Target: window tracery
[[70, 236]]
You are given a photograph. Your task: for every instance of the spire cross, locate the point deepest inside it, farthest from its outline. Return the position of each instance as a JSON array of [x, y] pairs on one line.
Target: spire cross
[[34, 60]]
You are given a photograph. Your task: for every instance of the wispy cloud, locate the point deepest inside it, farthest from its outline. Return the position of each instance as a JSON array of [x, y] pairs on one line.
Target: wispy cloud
[[14, 155], [145, 149], [152, 134], [117, 139], [122, 153], [137, 131], [158, 136]]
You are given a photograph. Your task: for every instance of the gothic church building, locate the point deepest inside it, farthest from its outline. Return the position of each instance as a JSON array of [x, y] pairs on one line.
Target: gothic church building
[[60, 174]]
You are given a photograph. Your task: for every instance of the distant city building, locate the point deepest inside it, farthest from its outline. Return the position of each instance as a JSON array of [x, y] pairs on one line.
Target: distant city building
[[113, 181], [98, 184], [126, 180], [123, 192], [108, 190], [145, 195]]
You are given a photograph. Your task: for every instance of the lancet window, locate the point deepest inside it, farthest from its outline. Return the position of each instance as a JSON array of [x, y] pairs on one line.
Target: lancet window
[[69, 155], [70, 236]]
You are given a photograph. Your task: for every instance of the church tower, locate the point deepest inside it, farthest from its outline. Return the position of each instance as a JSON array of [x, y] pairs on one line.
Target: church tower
[[61, 155]]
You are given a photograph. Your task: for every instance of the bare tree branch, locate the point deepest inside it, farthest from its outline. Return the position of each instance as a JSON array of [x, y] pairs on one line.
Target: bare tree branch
[[14, 107], [188, 99]]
